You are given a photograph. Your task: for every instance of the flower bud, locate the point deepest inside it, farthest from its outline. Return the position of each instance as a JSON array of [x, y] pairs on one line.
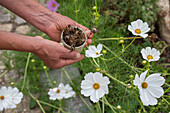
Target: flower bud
[[104, 51], [121, 41], [54, 82], [94, 7], [96, 18], [144, 62], [32, 60], [44, 67], [12, 83], [129, 86], [98, 69], [94, 13], [131, 76], [118, 107]]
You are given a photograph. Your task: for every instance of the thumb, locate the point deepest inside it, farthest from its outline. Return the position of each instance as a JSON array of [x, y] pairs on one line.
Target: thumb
[[70, 55]]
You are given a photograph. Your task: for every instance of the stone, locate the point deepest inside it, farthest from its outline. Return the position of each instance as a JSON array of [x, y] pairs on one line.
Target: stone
[[164, 19], [4, 18], [55, 74], [6, 27], [23, 29], [18, 20], [76, 105]]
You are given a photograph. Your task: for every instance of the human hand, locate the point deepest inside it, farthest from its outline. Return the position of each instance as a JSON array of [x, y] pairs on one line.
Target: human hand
[[54, 55], [60, 22]]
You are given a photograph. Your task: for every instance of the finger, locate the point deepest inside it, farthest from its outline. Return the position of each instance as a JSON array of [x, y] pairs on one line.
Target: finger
[[70, 55], [85, 45], [89, 41], [65, 62]]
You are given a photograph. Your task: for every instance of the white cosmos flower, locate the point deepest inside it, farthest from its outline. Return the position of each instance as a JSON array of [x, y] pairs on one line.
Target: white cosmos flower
[[95, 86], [93, 51], [150, 54], [16, 96], [9, 97], [139, 28], [149, 88], [69, 91], [57, 93]]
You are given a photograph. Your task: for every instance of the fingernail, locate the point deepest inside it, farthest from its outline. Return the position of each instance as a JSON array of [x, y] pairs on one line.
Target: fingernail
[[87, 32], [78, 56]]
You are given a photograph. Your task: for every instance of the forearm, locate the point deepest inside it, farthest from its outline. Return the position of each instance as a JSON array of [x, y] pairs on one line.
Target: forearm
[[11, 41], [30, 10]]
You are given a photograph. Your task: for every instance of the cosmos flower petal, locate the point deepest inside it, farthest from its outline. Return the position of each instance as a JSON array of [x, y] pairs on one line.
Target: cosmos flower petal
[[143, 75], [136, 81], [134, 25], [144, 26], [155, 80], [157, 53], [144, 53], [93, 48], [105, 89], [87, 92], [152, 100], [139, 23], [155, 91], [145, 30], [86, 85], [89, 78], [1, 107], [98, 77], [130, 28], [144, 97], [100, 92], [93, 97], [144, 35], [153, 51], [99, 48]]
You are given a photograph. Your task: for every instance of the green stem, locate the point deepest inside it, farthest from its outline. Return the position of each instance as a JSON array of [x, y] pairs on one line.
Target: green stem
[[103, 105], [75, 2], [119, 38], [106, 102], [166, 101], [37, 102], [3, 73], [133, 68], [25, 73], [116, 79], [86, 103], [68, 76], [48, 77], [96, 63]]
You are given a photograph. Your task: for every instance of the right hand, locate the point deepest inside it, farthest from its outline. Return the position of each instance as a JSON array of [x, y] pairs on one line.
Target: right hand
[[54, 55]]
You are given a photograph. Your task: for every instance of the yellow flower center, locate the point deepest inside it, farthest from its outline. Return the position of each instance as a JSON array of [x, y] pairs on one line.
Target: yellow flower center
[[144, 85], [58, 91], [138, 31], [96, 86], [53, 5], [149, 57], [97, 53], [2, 97]]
